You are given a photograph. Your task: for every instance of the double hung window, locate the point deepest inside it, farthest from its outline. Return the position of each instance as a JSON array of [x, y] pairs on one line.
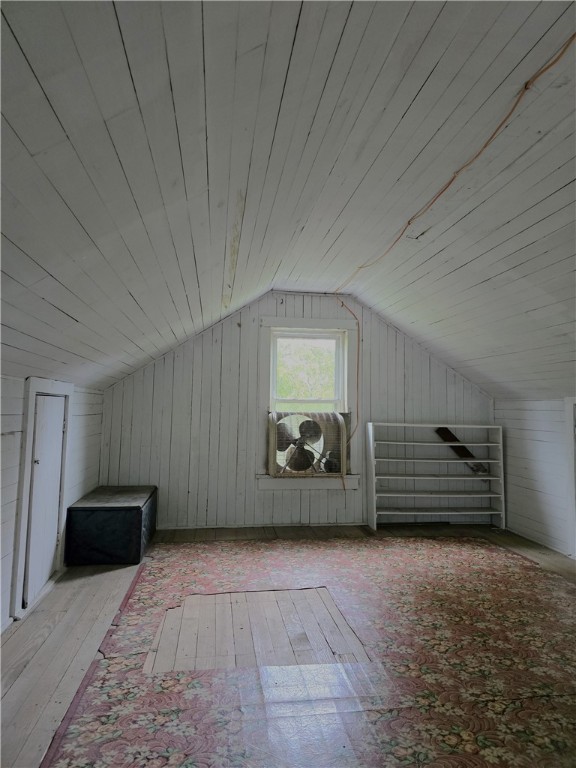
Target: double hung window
[[308, 370]]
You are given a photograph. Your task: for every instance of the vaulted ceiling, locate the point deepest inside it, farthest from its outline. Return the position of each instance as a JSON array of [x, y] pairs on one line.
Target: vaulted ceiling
[[165, 163]]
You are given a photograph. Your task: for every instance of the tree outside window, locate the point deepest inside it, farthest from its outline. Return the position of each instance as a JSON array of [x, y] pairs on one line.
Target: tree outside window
[[308, 370]]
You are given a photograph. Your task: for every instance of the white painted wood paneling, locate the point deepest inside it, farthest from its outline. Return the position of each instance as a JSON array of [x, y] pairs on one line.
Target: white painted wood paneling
[[204, 413], [84, 436], [84, 441], [537, 471], [166, 164], [12, 416]]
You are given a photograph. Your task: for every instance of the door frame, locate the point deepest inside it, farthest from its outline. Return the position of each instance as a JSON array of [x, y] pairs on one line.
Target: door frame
[[35, 386]]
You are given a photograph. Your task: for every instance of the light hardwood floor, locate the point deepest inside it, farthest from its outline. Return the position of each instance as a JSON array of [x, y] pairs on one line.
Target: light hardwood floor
[[45, 656], [286, 627]]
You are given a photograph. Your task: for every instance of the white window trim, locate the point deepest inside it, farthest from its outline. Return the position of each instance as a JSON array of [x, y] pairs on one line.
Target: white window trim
[[265, 482]]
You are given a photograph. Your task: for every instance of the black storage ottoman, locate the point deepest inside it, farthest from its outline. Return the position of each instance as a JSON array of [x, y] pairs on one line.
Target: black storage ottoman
[[111, 525]]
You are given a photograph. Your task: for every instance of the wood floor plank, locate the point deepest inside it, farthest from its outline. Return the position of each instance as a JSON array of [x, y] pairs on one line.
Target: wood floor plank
[[206, 629], [260, 632], [55, 709], [259, 532], [186, 649], [312, 629], [276, 626], [346, 658], [352, 640], [18, 652], [60, 663], [151, 658], [298, 638], [273, 627], [205, 662], [9, 631], [306, 657], [294, 532], [215, 662], [326, 623], [242, 630], [166, 653], [164, 537], [79, 606], [224, 629], [183, 536], [280, 658], [246, 660], [57, 599], [205, 534], [269, 532], [228, 534]]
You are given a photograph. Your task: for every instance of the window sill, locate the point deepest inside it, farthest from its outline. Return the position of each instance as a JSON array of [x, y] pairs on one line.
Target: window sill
[[267, 483]]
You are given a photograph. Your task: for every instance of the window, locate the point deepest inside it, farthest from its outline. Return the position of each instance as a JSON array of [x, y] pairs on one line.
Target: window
[[308, 370], [307, 365]]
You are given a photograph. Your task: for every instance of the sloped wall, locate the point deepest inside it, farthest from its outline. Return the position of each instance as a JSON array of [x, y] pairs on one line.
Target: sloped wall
[[538, 485], [194, 422], [12, 418], [84, 436], [84, 439]]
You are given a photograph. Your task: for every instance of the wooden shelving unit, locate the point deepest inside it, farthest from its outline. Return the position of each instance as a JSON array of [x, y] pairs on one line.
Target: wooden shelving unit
[[412, 471]]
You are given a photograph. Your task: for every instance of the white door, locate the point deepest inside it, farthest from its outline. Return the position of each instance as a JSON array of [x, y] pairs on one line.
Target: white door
[[43, 517]]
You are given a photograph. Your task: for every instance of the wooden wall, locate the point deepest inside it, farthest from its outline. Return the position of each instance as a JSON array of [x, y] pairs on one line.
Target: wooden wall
[[537, 471], [222, 148], [12, 418], [84, 435], [84, 438], [194, 422]]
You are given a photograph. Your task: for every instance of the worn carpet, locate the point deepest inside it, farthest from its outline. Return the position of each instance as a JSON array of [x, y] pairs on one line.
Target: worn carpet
[[473, 663]]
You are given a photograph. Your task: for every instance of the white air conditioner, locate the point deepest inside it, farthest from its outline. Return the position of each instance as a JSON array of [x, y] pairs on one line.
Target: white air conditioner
[[304, 444]]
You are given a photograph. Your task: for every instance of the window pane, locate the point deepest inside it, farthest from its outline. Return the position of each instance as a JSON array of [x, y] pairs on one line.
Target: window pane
[[306, 368]]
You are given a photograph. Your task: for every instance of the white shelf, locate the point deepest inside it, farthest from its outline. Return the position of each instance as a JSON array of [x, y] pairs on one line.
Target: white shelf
[[437, 511], [410, 489], [426, 442], [475, 478], [418, 460], [463, 494]]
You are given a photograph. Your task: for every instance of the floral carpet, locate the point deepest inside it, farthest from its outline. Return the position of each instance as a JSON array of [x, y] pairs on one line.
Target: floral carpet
[[473, 663]]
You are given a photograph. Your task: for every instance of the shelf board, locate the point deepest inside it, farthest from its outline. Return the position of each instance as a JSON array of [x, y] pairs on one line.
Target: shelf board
[[443, 494], [416, 460], [439, 511], [404, 425], [398, 476], [432, 442]]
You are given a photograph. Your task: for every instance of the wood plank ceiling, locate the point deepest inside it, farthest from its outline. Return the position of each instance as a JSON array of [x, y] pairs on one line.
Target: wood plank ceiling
[[164, 163]]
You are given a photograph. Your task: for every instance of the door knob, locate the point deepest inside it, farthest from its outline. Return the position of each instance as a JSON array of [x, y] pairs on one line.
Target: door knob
[[36, 461]]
